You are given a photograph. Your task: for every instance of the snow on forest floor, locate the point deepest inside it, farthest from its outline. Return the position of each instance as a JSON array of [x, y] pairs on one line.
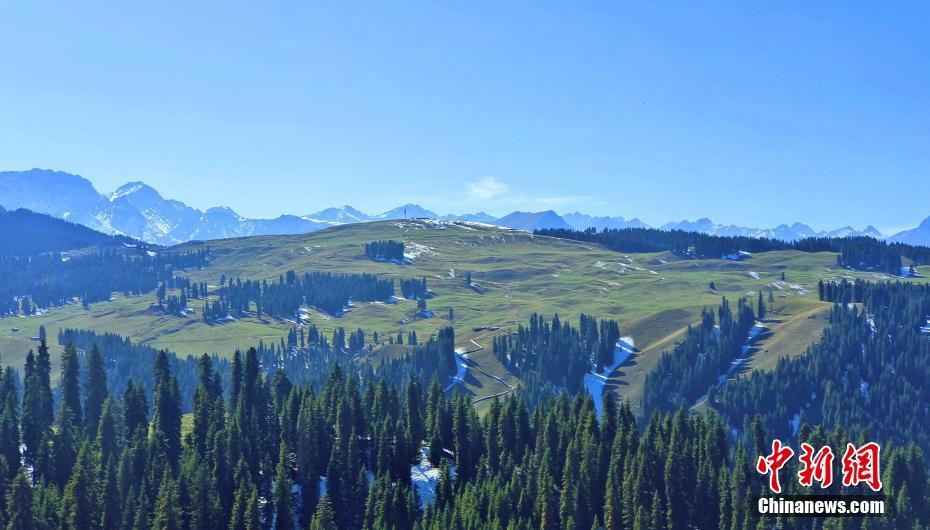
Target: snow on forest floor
[[425, 477], [595, 382], [461, 369]]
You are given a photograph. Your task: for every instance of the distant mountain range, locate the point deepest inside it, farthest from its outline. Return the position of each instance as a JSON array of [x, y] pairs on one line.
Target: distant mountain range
[[784, 232], [137, 210]]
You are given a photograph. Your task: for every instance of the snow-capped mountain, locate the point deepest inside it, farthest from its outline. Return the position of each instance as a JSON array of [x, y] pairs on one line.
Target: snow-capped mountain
[[848, 231], [914, 236], [161, 220], [136, 209], [480, 217], [54, 193], [408, 211], [345, 214], [783, 232], [581, 221]]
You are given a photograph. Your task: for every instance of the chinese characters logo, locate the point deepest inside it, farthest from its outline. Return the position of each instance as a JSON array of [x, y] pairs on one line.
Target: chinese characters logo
[[860, 465]]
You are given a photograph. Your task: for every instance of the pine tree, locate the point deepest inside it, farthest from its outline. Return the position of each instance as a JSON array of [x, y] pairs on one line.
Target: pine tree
[[167, 512], [64, 449], [135, 409], [323, 518], [284, 517], [9, 425], [79, 505], [252, 516], [111, 503], [96, 391], [71, 383], [108, 431], [34, 427], [166, 415], [19, 506]]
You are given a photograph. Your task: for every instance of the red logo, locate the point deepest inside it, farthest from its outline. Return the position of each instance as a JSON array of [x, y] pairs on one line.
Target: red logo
[[772, 463], [817, 467], [861, 465]]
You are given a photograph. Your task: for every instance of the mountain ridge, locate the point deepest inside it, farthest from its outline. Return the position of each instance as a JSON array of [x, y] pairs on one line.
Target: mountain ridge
[[138, 210]]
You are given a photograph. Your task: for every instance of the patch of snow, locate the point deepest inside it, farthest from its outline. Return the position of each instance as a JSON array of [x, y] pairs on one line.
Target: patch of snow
[[461, 369], [794, 423], [754, 275], [753, 333], [780, 285], [595, 382], [413, 250], [736, 256], [425, 477]]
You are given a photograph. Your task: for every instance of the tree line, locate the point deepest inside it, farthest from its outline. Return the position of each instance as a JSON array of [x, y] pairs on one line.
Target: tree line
[[860, 252], [28, 283], [282, 298]]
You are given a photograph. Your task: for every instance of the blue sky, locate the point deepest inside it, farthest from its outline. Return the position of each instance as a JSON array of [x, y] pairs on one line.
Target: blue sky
[[749, 113]]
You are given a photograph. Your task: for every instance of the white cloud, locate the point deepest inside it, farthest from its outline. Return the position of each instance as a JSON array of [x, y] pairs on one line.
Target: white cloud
[[487, 188]]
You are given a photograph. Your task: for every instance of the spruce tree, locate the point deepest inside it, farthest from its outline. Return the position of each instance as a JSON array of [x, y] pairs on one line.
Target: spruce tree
[[9, 426], [96, 391], [167, 512], [34, 427], [135, 409], [107, 432], [284, 517], [166, 415], [323, 518], [111, 503], [19, 506], [71, 383], [79, 505]]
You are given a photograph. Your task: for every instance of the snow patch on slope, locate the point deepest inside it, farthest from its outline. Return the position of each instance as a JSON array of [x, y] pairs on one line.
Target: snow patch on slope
[[594, 381]]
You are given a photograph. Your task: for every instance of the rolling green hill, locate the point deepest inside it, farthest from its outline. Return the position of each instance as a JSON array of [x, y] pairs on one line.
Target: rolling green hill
[[655, 296]]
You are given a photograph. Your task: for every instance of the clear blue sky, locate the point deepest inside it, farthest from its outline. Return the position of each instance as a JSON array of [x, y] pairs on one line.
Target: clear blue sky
[[749, 113]]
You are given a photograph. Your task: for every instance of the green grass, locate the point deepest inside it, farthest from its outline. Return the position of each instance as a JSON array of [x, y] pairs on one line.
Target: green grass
[[655, 295]]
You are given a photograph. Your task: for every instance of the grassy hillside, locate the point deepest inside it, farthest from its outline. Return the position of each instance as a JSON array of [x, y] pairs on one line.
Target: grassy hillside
[[655, 296]]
